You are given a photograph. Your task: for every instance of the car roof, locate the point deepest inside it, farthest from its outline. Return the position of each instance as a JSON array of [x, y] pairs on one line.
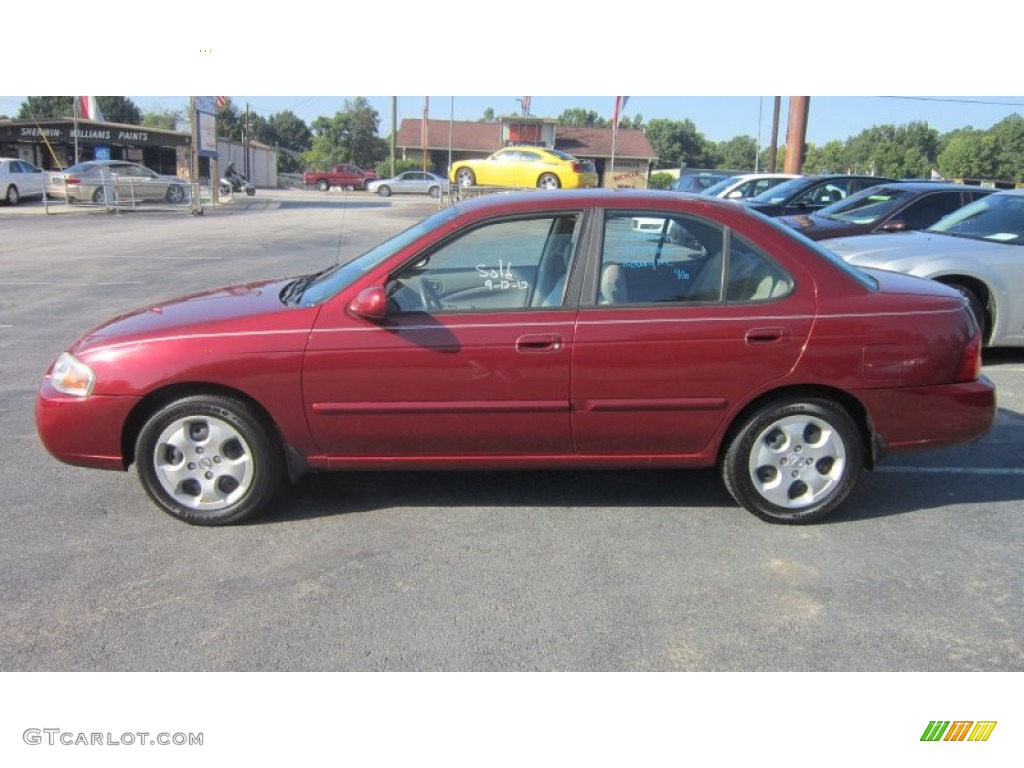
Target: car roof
[[595, 197], [932, 186]]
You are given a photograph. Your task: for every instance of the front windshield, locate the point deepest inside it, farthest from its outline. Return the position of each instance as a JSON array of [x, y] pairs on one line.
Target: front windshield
[[780, 193], [868, 206], [998, 217], [341, 276], [715, 189]]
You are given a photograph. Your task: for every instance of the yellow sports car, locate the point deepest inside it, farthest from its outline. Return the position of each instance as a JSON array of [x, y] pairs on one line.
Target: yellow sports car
[[526, 167]]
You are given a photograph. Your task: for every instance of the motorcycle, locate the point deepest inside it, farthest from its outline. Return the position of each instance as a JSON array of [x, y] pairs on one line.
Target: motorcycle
[[233, 181]]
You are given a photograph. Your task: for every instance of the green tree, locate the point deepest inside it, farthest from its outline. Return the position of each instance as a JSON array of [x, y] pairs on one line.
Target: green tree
[[678, 141], [968, 154], [830, 158], [581, 118], [162, 117], [42, 107], [900, 151], [229, 122], [488, 116], [737, 153], [1008, 146], [286, 129], [115, 109], [349, 136], [118, 109]]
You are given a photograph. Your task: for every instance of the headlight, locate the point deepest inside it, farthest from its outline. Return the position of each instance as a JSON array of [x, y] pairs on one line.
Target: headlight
[[72, 377]]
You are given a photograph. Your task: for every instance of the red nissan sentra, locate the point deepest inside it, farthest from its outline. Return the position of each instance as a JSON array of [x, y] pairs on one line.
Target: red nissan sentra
[[577, 329]]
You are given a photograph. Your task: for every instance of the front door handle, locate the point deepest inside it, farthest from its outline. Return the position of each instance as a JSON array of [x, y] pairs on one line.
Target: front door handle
[[767, 336], [540, 342]]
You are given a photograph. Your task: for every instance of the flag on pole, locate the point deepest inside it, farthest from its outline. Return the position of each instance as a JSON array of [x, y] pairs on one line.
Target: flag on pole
[[620, 106], [221, 102], [89, 108]]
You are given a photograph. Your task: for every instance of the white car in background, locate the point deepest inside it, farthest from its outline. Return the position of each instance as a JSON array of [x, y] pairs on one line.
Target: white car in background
[[747, 185], [19, 179]]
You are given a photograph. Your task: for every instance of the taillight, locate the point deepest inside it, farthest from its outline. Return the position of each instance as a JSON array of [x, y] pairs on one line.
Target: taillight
[[577, 167], [969, 368], [72, 180]]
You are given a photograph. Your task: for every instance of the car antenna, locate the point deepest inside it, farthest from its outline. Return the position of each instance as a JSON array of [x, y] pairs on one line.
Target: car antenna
[[341, 229]]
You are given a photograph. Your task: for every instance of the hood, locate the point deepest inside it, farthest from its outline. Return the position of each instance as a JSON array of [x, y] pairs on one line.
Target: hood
[[251, 307], [888, 251], [819, 227]]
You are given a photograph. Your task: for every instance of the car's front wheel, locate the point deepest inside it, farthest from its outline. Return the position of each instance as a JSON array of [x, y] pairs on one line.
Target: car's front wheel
[[794, 460], [209, 459]]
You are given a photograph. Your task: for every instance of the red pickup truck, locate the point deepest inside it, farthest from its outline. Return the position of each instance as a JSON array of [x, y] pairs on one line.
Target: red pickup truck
[[344, 175]]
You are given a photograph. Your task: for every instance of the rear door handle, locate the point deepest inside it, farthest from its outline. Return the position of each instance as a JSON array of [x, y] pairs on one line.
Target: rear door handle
[[767, 336], [540, 342]]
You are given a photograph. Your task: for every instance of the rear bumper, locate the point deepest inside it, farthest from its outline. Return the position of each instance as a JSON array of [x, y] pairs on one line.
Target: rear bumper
[[922, 418]]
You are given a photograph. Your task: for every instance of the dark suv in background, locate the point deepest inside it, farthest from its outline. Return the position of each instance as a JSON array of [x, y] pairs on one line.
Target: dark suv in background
[[810, 193]]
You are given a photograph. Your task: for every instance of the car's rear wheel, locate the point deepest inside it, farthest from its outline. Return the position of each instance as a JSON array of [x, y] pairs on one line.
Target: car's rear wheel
[[794, 460], [384, 190], [175, 194], [323, 185], [465, 177], [548, 181], [209, 460], [435, 192], [99, 196], [12, 197]]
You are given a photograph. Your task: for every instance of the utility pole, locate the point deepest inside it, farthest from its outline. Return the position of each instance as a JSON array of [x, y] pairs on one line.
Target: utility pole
[[799, 106], [425, 148], [394, 130], [774, 145]]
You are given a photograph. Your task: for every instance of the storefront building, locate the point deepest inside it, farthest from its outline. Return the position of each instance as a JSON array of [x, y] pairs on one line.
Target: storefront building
[[52, 144]]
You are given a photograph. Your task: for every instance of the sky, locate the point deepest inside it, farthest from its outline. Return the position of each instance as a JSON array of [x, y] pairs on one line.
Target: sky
[[858, 71], [719, 118]]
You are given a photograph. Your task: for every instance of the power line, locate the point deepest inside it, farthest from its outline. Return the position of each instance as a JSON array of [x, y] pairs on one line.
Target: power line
[[956, 101]]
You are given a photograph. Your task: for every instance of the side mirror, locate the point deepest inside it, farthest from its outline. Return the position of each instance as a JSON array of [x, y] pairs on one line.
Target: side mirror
[[370, 304], [896, 225]]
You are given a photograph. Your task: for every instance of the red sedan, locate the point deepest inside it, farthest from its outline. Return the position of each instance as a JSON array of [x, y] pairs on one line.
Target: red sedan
[[587, 329]]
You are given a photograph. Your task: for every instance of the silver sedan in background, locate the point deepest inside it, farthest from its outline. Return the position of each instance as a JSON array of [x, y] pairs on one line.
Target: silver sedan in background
[[104, 181], [410, 182], [979, 250]]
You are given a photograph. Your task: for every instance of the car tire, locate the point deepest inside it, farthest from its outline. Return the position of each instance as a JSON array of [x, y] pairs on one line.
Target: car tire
[[323, 185], [209, 460], [977, 307], [384, 190], [99, 196], [465, 177], [434, 192], [11, 196], [548, 181], [794, 460], [175, 194]]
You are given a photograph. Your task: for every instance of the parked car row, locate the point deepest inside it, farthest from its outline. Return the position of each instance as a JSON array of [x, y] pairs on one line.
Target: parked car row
[[967, 237]]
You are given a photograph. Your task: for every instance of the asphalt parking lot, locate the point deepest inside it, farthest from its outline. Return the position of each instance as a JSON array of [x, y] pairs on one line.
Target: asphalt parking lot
[[920, 571]]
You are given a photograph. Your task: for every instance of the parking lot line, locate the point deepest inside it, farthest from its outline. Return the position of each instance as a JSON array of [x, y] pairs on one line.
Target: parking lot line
[[952, 470]]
